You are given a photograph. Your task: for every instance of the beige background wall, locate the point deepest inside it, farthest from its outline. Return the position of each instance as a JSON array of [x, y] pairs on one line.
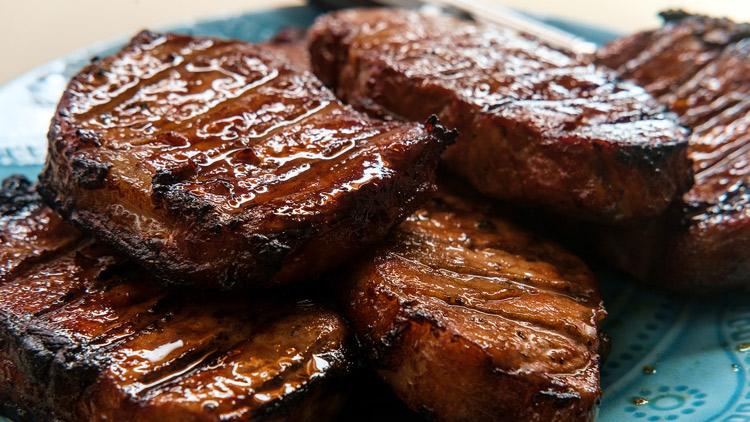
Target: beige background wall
[[35, 31]]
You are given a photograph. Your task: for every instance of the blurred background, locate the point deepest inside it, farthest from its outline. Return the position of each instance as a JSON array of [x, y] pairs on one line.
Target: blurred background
[[35, 31]]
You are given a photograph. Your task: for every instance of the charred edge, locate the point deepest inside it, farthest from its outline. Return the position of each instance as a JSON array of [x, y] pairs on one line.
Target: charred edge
[[559, 399], [649, 155], [144, 37], [270, 251], [165, 178], [334, 382], [17, 194], [87, 173], [441, 132], [49, 359], [729, 31], [674, 15], [181, 202], [385, 353], [88, 137]]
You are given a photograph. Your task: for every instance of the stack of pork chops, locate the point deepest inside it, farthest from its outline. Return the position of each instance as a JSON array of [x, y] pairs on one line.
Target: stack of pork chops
[[234, 232]]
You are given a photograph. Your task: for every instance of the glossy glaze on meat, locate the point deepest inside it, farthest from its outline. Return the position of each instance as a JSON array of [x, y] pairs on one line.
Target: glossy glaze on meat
[[214, 163], [469, 317], [536, 126], [663, 59], [704, 76], [86, 336]]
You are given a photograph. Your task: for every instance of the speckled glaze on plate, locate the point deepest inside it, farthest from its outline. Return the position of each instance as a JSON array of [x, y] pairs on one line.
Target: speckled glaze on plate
[[674, 358]]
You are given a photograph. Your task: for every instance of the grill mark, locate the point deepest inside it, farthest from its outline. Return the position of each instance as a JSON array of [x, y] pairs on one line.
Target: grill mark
[[162, 308], [76, 290], [136, 85], [325, 108], [169, 371], [730, 206], [197, 358], [28, 265], [566, 288], [290, 189], [654, 52], [564, 334], [703, 117], [173, 373], [727, 162], [223, 104], [457, 274], [215, 355], [114, 333], [348, 157], [727, 122], [322, 110]]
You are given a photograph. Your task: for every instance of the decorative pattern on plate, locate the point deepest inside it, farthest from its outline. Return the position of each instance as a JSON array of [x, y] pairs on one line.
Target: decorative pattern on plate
[[674, 358]]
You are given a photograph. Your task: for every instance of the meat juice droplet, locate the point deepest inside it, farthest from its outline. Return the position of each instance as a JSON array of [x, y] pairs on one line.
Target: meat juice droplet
[[743, 347], [640, 401], [649, 369]]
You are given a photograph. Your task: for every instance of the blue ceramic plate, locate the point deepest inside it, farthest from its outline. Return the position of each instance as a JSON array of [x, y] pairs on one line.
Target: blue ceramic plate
[[673, 358]]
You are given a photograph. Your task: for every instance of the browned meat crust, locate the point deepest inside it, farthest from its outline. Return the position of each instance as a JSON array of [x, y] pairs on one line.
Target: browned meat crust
[[211, 162], [470, 318], [663, 59], [536, 126], [703, 74], [86, 336]]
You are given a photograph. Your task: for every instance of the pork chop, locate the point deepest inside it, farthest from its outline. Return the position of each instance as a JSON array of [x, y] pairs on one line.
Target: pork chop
[[536, 125], [703, 74], [469, 317], [215, 163], [87, 336]]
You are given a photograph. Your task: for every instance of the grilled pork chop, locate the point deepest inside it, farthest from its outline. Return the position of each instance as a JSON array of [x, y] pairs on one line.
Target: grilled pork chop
[[85, 336], [536, 125], [214, 163], [700, 68], [470, 318]]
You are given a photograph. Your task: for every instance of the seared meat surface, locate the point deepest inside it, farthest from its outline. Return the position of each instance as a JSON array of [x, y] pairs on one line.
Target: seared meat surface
[[664, 59], [85, 336], [214, 163], [536, 126], [470, 318], [703, 74]]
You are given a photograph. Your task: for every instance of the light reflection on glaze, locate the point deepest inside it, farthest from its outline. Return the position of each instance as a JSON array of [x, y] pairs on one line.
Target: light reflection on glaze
[[152, 348], [248, 125], [161, 352], [265, 363], [493, 68]]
